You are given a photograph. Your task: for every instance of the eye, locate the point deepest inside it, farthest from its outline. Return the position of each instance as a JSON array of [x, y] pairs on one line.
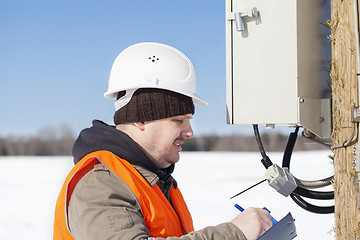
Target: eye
[[180, 121]]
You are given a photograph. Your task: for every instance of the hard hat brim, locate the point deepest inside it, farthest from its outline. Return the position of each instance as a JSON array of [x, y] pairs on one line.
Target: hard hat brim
[[195, 98]]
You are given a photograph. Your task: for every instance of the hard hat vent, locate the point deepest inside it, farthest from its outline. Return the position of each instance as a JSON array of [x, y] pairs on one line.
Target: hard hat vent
[[154, 58]]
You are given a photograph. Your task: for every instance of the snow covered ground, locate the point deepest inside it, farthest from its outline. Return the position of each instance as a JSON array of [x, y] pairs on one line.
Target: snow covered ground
[[29, 187]]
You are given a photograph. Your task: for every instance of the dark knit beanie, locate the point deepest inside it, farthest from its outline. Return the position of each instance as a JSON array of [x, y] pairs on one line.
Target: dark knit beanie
[[149, 104]]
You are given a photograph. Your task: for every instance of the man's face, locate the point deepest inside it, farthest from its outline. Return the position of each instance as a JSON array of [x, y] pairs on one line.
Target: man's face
[[164, 138]]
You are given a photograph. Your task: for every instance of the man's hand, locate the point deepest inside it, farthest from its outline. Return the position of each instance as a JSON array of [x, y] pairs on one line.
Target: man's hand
[[253, 222]]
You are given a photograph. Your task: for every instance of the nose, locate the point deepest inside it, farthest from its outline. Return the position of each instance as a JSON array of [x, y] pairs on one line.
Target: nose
[[187, 132]]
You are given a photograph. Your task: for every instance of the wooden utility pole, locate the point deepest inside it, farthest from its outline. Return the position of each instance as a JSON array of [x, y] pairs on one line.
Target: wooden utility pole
[[344, 38]]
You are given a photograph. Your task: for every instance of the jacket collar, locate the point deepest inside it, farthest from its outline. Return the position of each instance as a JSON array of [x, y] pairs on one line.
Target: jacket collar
[[105, 137]]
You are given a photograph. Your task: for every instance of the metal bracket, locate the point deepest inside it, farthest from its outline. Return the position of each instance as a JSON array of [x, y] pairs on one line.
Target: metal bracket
[[355, 118], [355, 114]]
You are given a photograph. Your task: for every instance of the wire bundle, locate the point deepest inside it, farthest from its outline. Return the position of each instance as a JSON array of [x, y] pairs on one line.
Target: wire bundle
[[303, 186]]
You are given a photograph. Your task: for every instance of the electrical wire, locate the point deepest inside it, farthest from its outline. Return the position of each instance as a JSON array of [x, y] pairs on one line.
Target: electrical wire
[[286, 163], [299, 192], [315, 183], [348, 142], [309, 135], [248, 188], [310, 207], [265, 159]]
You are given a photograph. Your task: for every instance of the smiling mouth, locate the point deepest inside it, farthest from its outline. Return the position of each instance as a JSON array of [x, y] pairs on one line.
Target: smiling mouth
[[178, 142]]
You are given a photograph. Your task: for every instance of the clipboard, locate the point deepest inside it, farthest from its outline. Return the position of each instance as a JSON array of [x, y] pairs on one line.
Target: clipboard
[[284, 230]]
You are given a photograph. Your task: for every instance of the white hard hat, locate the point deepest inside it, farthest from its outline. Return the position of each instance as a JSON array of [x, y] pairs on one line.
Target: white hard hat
[[151, 65]]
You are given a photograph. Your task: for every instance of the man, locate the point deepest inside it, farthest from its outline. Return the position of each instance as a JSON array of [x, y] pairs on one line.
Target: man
[[121, 186]]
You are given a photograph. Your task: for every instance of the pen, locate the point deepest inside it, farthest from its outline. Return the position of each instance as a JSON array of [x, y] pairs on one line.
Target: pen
[[239, 207], [274, 221]]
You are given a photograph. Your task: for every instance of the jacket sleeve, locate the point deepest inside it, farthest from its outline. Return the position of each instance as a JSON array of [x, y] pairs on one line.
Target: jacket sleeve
[[103, 208]]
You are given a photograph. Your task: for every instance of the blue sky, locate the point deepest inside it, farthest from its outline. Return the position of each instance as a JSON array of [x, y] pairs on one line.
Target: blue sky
[[56, 58]]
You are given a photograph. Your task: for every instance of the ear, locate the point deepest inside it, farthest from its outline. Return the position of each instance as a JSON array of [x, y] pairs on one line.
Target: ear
[[139, 125]]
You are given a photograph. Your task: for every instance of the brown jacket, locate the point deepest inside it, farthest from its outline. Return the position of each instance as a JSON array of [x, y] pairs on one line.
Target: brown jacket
[[103, 208]]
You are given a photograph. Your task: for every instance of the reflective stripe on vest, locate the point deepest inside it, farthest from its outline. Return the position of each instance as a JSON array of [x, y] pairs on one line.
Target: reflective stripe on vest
[[160, 217]]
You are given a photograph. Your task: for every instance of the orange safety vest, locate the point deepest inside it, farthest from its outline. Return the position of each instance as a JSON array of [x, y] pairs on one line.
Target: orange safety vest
[[160, 217]]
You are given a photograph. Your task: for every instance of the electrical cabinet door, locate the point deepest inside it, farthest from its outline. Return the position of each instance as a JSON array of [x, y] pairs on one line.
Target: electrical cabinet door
[[277, 59]]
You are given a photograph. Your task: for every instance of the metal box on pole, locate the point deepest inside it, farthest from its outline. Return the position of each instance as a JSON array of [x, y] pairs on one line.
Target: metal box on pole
[[277, 57]]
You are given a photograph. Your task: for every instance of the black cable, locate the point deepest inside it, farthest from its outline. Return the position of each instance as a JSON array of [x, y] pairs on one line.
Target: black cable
[[258, 140], [265, 159], [248, 188], [286, 163], [299, 191], [290, 148], [312, 208]]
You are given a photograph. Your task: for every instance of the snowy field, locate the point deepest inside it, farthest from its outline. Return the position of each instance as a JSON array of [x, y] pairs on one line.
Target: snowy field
[[30, 185]]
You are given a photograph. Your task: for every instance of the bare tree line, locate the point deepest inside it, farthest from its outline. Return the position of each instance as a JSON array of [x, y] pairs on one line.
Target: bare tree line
[[273, 142], [59, 141], [48, 141]]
